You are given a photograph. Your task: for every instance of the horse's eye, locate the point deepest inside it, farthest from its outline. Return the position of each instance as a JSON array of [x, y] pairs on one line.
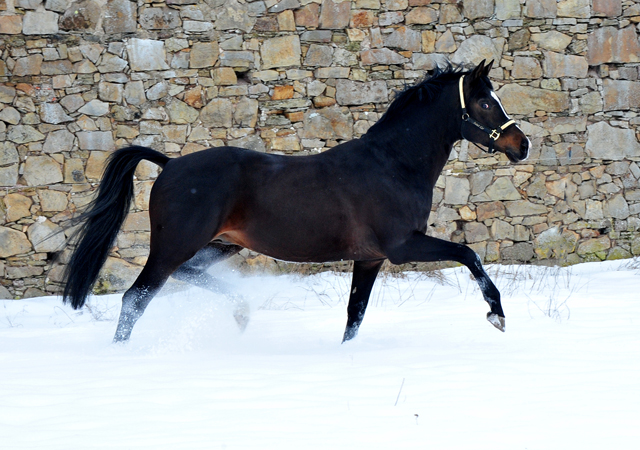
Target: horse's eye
[[485, 105]]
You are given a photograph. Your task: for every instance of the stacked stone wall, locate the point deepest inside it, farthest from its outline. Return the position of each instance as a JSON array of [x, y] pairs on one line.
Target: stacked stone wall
[[79, 79]]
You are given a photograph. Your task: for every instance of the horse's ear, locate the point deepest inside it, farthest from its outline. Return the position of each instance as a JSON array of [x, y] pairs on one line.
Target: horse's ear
[[487, 69], [478, 71]]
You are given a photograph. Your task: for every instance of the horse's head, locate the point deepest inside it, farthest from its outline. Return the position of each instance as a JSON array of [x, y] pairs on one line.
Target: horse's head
[[484, 120]]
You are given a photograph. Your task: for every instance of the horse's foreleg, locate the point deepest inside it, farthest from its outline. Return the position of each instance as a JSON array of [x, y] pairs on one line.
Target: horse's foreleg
[[427, 249], [364, 275], [194, 271]]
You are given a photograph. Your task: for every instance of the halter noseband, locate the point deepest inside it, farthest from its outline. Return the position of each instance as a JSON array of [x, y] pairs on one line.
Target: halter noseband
[[494, 134]]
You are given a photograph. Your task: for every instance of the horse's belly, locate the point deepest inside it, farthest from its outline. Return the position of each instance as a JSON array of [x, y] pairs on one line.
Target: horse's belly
[[300, 247]]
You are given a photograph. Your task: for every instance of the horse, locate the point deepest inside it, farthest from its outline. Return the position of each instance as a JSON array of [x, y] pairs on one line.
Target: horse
[[366, 200]]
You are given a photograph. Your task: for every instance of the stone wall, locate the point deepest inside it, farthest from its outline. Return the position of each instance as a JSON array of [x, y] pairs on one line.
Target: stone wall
[[82, 78]]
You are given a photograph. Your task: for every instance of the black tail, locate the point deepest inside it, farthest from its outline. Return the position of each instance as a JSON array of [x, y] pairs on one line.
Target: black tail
[[101, 221]]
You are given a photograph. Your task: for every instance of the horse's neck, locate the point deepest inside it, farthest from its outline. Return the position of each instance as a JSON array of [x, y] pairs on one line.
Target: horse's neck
[[423, 138]]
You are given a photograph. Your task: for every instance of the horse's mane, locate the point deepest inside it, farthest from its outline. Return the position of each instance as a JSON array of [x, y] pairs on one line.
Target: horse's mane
[[425, 90]]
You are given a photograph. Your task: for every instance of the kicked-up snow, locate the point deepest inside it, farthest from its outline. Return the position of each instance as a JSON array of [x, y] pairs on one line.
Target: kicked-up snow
[[427, 371]]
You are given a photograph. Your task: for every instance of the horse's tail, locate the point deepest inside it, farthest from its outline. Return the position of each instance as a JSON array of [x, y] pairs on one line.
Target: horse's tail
[[101, 221]]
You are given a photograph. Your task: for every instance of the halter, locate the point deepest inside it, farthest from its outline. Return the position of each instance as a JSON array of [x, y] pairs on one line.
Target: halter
[[494, 134]]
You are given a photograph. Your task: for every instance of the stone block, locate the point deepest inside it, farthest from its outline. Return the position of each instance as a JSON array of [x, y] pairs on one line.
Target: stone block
[[383, 56], [40, 22], [525, 67], [23, 134], [556, 65], [9, 175], [327, 123], [29, 65], [502, 189], [490, 210], [612, 45], [233, 15], [318, 55], [446, 43], [580, 9], [616, 207], [607, 8], [507, 9], [217, 114], [11, 24], [117, 275], [61, 67], [13, 242], [526, 100], [456, 190], [421, 16], [58, 141], [17, 206], [404, 38], [356, 93], [181, 113], [334, 15], [238, 59], [83, 15], [501, 230], [610, 143], [476, 9], [332, 72], [96, 140], [7, 94], [595, 245], [225, 76], [308, 16], [316, 36], [390, 18], [362, 19], [8, 153], [286, 21], [552, 40], [203, 54], [541, 9], [10, 115], [280, 52], [134, 93], [476, 48], [46, 236], [620, 94], [111, 63], [96, 108], [160, 19], [521, 252], [475, 232], [524, 208], [245, 113], [54, 114], [120, 17], [42, 170], [146, 54]]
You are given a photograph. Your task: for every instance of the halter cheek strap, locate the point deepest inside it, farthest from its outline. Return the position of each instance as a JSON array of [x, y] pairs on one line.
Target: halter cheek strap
[[494, 134]]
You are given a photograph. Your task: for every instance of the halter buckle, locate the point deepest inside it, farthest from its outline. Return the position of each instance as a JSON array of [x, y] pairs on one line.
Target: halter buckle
[[494, 135]]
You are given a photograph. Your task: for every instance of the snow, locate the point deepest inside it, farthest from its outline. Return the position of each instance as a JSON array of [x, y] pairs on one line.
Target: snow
[[426, 371]]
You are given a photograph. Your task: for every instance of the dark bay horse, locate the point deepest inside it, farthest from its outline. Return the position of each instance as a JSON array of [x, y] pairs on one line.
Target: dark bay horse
[[365, 200]]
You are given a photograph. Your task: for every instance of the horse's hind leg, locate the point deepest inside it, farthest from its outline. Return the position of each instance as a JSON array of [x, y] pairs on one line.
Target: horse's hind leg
[[194, 271], [138, 296], [364, 275]]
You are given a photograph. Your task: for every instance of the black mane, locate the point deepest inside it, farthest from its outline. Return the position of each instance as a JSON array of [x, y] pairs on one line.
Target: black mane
[[425, 90]]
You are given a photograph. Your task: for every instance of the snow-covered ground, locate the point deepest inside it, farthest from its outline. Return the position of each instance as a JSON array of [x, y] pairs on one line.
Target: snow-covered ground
[[427, 371]]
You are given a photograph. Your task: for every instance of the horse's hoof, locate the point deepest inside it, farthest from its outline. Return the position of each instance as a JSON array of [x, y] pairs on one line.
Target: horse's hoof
[[496, 320]]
